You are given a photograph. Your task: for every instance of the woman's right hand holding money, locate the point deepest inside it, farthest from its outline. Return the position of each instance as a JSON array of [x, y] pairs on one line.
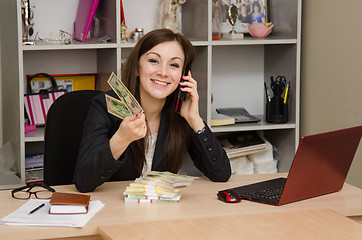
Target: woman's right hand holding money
[[132, 128]]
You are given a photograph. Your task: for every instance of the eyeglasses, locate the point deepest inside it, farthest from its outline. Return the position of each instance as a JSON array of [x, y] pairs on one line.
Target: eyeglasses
[[40, 191]]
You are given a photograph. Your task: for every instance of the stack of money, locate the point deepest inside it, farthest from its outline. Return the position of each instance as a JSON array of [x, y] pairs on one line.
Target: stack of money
[[126, 104], [157, 187]]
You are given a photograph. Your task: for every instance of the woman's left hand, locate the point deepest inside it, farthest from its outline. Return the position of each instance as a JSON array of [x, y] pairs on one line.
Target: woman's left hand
[[190, 106]]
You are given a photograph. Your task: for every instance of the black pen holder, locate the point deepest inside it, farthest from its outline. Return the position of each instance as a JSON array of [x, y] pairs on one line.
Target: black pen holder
[[276, 111]]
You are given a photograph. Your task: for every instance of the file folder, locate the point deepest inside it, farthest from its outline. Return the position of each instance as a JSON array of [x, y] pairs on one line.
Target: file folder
[[85, 15]]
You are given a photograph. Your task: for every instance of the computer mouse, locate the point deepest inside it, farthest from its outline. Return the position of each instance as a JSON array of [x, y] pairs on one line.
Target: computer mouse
[[228, 196]]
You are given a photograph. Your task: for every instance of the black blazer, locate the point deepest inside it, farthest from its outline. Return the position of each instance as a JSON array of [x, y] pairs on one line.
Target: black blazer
[[96, 164]]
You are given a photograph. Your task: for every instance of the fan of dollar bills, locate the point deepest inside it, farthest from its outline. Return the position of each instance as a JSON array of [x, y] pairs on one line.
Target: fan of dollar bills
[[157, 187], [126, 104]]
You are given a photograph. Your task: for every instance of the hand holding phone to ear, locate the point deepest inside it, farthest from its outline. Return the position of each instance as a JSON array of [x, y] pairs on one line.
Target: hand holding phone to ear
[[181, 94], [190, 103]]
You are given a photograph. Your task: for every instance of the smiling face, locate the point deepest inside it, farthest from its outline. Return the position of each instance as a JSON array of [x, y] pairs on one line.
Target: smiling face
[[160, 70]]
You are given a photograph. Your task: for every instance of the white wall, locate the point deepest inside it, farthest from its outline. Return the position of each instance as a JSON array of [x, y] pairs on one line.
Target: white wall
[[331, 80], [1, 111]]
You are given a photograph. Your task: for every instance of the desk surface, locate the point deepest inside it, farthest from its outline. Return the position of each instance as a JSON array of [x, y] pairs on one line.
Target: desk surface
[[294, 224], [198, 201]]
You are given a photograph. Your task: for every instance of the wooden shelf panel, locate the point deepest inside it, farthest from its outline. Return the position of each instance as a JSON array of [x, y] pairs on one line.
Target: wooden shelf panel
[[256, 41], [39, 45], [252, 127]]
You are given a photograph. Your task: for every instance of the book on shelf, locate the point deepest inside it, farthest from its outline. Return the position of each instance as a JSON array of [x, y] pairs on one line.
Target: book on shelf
[[218, 119], [242, 143], [34, 175], [69, 203], [34, 161], [34, 168]]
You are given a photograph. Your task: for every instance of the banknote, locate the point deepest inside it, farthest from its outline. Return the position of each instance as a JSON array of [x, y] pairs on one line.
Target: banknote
[[116, 107], [124, 94]]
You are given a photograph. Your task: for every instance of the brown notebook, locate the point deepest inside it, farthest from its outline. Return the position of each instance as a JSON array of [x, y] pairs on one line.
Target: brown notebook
[[69, 203]]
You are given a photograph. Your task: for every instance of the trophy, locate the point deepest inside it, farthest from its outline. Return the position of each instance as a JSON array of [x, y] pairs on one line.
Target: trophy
[[233, 14]]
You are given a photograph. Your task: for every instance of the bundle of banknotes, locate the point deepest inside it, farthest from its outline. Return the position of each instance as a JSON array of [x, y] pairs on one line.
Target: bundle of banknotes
[[126, 104], [157, 187]]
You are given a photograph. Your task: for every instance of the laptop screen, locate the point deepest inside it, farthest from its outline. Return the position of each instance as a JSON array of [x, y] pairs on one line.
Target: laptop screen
[[321, 164]]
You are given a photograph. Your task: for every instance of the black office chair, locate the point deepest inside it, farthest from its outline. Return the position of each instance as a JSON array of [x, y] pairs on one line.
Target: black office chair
[[63, 133]]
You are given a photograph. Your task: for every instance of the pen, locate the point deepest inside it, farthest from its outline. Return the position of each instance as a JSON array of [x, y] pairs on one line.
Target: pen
[[286, 93], [37, 208], [267, 93]]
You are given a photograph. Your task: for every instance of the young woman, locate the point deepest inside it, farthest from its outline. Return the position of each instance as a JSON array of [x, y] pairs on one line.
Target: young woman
[[158, 139]]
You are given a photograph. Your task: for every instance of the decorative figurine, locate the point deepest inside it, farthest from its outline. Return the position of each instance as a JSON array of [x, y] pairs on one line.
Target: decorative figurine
[[27, 24], [170, 14], [124, 33]]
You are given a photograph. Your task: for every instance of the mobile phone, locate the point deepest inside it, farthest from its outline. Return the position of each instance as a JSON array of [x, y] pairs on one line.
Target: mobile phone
[[181, 94]]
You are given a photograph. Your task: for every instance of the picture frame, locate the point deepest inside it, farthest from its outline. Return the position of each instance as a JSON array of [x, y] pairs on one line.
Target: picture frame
[[69, 82], [249, 11]]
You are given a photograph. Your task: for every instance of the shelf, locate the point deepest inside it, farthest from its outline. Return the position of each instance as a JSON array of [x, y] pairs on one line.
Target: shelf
[[195, 43], [199, 43], [36, 135], [39, 45], [252, 126], [74, 46], [255, 41], [245, 41]]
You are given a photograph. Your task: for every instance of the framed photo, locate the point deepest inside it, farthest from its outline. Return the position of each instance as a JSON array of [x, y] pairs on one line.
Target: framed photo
[[249, 11], [70, 82]]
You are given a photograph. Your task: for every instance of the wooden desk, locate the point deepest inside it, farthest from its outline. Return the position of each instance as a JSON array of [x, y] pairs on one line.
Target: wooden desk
[[198, 201], [314, 224]]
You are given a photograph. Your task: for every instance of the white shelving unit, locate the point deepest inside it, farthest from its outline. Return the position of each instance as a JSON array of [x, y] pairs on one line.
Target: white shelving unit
[[231, 71]]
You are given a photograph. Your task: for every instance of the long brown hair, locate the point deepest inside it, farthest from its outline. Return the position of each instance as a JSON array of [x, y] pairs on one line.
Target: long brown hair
[[178, 136]]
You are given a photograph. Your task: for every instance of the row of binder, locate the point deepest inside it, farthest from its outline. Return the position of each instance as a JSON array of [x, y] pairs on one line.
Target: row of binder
[[37, 107]]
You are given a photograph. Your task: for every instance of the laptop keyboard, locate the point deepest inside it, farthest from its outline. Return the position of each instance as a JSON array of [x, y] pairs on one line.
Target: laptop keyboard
[[266, 191], [269, 194]]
